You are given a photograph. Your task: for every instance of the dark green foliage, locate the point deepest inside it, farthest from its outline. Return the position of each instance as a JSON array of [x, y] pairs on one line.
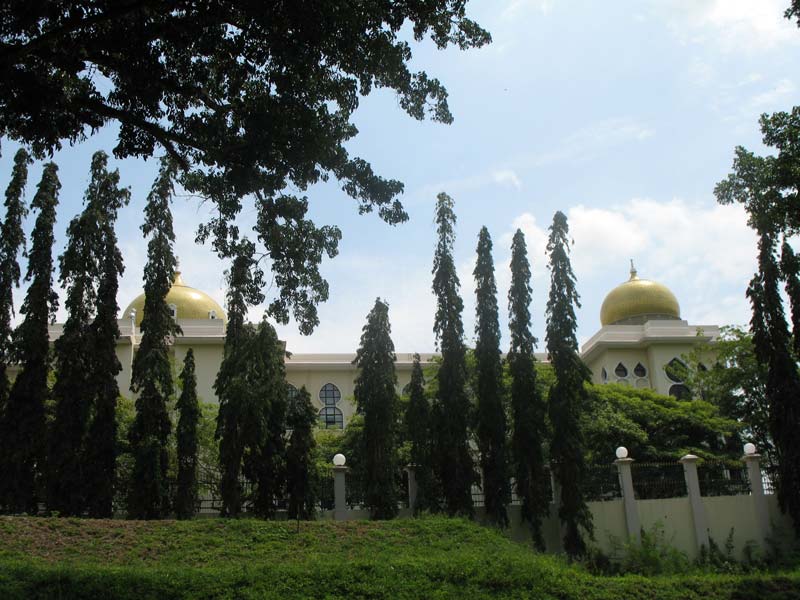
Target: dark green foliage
[[12, 240], [419, 432], [90, 259], [652, 427], [151, 377], [186, 494], [567, 396], [736, 383], [243, 108], [376, 400], [300, 419], [768, 189], [527, 404], [22, 424], [100, 457], [451, 412], [491, 416], [790, 267]]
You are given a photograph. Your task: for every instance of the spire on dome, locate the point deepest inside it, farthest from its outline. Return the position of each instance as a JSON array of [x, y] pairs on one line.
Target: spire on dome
[[633, 272]]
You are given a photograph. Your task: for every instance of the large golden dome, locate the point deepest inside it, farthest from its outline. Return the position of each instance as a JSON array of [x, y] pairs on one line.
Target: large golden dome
[[638, 300], [189, 303]]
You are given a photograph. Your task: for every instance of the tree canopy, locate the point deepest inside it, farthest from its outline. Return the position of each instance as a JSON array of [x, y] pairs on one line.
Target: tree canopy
[[248, 98]]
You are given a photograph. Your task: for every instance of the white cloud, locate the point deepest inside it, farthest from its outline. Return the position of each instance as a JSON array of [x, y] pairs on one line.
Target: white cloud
[[774, 96], [733, 25], [515, 8], [507, 177]]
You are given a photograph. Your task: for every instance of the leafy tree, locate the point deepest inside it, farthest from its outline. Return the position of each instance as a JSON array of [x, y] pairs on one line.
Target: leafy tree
[[22, 425], [12, 239], [376, 399], [452, 409], [419, 431], [100, 457], [527, 402], [151, 377], [735, 382], [491, 414], [653, 427], [77, 367], [248, 98], [300, 419], [239, 421], [567, 396], [186, 495], [767, 187]]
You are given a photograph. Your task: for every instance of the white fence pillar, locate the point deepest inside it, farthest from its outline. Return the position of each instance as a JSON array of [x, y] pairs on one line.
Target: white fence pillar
[[760, 510], [628, 497], [339, 488], [689, 463]]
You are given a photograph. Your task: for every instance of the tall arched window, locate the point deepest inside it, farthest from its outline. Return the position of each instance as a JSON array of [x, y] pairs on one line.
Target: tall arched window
[[677, 371], [173, 311], [621, 371], [330, 415], [640, 373]]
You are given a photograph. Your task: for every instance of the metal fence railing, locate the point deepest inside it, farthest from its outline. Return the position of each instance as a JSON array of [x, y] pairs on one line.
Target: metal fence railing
[[723, 479], [601, 483], [658, 480]]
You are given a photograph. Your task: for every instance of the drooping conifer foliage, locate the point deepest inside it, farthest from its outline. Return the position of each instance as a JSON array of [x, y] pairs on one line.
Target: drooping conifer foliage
[[22, 425], [12, 240], [767, 187], [300, 419], [491, 416], [528, 408], [240, 426], [186, 494], [376, 400], [452, 454], [419, 432], [80, 371], [100, 457], [568, 394], [151, 377]]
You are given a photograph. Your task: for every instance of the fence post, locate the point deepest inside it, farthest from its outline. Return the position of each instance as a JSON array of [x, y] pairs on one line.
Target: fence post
[[689, 463], [339, 488], [412, 487], [752, 460], [628, 497]]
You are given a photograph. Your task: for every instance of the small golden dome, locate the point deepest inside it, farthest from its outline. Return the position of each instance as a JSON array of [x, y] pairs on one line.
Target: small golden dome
[[639, 299], [189, 303]]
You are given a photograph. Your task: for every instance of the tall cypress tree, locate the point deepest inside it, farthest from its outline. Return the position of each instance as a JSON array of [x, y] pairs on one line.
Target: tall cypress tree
[[240, 426], [790, 267], [527, 406], [81, 365], [186, 495], [300, 419], [22, 425], [420, 431], [12, 240], [376, 399], [453, 459], [491, 415], [771, 340], [151, 377], [568, 394], [100, 457]]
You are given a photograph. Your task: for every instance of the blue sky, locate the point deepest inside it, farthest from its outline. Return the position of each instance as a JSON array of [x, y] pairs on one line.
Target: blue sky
[[623, 115]]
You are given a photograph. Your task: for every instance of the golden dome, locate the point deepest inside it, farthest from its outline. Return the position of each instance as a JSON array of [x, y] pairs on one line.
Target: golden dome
[[189, 303], [639, 298]]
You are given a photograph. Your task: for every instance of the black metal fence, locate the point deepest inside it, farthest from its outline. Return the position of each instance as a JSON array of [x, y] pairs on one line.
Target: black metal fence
[[658, 480], [723, 479], [601, 483]]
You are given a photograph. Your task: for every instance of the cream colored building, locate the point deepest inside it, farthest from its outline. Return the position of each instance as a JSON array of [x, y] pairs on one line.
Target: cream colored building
[[641, 334]]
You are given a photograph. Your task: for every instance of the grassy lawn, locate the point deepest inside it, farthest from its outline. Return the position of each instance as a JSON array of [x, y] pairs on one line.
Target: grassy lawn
[[421, 558]]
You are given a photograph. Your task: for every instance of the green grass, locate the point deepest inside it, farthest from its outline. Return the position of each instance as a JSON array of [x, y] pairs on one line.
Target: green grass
[[211, 558]]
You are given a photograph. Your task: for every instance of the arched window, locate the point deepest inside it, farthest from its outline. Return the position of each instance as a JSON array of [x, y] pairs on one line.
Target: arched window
[[291, 392], [331, 418], [676, 370], [604, 375], [621, 371], [329, 395], [173, 311], [212, 314], [680, 391], [639, 370]]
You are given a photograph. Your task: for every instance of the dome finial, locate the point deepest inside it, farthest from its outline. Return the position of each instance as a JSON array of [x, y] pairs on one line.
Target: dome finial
[[633, 272], [177, 279]]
